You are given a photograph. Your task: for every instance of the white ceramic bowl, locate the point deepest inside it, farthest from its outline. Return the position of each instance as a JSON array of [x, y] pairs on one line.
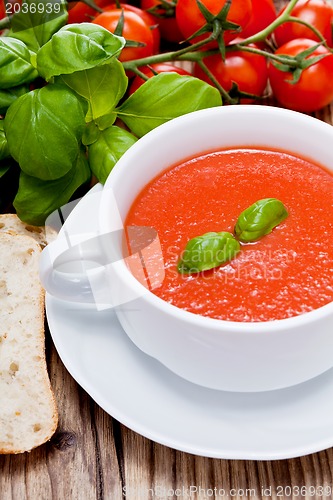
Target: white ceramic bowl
[[217, 354]]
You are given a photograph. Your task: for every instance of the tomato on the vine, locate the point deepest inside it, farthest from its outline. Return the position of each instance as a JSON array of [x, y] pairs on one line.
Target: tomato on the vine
[[134, 29], [145, 16], [151, 70], [263, 14], [318, 13], [190, 19], [314, 89], [245, 69], [166, 21], [81, 12]]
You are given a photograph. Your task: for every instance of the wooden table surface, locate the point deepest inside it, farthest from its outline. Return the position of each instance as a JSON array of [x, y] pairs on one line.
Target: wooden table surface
[[93, 456]]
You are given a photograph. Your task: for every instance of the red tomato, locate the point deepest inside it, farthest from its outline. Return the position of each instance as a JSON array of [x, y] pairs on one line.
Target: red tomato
[[134, 29], [2, 10], [145, 16], [166, 21], [190, 19], [314, 90], [82, 13], [318, 13], [158, 68], [247, 70], [263, 14]]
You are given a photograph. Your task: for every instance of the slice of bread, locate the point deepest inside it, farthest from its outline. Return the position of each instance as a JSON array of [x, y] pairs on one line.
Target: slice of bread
[[11, 223], [28, 414]]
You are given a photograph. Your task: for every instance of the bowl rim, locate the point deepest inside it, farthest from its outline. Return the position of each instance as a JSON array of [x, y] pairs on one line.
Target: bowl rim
[[214, 324]]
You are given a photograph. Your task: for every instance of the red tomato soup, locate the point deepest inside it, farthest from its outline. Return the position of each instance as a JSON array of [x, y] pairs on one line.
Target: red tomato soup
[[286, 273]]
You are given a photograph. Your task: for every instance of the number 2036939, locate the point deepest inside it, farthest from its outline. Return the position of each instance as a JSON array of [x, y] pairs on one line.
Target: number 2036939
[[304, 491], [32, 8]]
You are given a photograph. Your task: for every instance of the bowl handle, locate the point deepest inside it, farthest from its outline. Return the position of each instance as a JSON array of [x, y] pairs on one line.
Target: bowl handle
[[76, 272]]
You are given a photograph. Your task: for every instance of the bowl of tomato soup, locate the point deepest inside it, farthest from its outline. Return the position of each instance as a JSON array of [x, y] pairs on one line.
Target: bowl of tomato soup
[[218, 227], [263, 320], [281, 275]]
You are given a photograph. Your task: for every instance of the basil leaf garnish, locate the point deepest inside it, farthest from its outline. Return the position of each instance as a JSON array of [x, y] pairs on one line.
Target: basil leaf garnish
[[207, 252], [260, 219]]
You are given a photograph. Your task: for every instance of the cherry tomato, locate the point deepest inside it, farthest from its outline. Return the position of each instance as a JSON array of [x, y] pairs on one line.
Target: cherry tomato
[[190, 19], [263, 14], [318, 13], [145, 16], [249, 71], [134, 29], [150, 72], [314, 89], [2, 10], [166, 21], [82, 13]]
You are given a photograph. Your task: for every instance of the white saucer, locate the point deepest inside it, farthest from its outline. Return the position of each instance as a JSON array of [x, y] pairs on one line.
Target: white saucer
[[149, 399]]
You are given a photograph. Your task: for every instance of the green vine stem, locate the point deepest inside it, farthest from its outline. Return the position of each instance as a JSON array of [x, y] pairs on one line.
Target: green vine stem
[[192, 54], [222, 91], [93, 5], [188, 53], [5, 23], [312, 28], [263, 34], [293, 63], [178, 55]]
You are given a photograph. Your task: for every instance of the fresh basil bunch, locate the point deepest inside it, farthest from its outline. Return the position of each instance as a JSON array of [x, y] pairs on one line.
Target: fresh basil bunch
[[75, 121], [4, 152]]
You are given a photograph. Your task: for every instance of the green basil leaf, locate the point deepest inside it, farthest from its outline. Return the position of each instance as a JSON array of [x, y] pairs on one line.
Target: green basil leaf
[[260, 219], [15, 63], [163, 97], [208, 251], [44, 130], [37, 21], [4, 151], [90, 134], [77, 47], [8, 96], [104, 153], [37, 199], [102, 86], [106, 121]]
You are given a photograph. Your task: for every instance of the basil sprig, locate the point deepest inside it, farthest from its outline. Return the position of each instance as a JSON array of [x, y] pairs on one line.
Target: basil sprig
[[213, 249], [62, 133], [208, 251], [260, 219]]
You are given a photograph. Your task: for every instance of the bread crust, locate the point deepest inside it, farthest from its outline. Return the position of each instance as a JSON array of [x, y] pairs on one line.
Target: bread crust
[[28, 410], [11, 223]]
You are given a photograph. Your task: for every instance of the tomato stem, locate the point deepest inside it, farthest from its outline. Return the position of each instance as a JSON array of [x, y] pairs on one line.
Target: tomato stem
[[189, 53], [293, 63], [222, 91], [282, 18], [177, 55], [140, 73], [93, 5], [312, 28], [5, 23]]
